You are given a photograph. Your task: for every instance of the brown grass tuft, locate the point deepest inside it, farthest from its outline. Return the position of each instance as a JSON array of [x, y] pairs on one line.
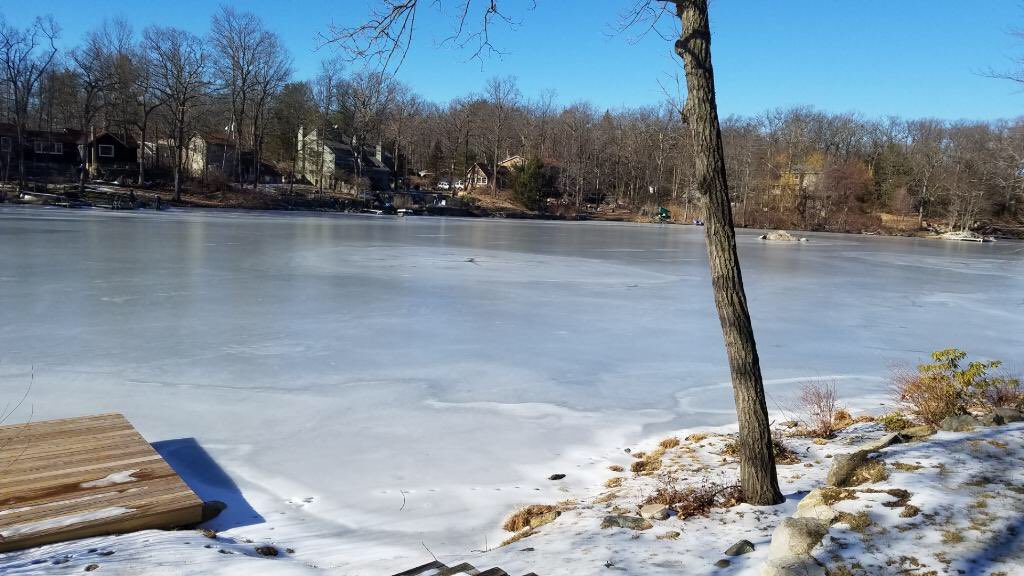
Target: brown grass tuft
[[668, 443], [522, 518]]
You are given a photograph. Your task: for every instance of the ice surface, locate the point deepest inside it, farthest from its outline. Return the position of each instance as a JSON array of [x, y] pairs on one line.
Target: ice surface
[[374, 384]]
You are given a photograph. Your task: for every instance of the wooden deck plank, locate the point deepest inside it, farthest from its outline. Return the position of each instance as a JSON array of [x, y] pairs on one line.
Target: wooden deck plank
[[77, 477]]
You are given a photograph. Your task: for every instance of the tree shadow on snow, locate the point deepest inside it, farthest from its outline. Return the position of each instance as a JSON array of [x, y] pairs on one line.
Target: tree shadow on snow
[[209, 481]]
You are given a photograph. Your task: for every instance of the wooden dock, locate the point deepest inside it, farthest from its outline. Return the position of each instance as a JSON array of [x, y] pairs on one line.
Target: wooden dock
[[89, 476]]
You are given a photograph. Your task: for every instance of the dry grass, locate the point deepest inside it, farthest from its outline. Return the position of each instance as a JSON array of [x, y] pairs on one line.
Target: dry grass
[[830, 494], [698, 437], [895, 422], [693, 500], [669, 443], [905, 467], [647, 464], [518, 536], [783, 453], [842, 419], [952, 537], [858, 522], [870, 471], [613, 482], [910, 511], [524, 517], [616, 468]]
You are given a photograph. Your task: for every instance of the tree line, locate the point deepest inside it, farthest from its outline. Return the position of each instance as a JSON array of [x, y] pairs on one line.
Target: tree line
[[796, 167]]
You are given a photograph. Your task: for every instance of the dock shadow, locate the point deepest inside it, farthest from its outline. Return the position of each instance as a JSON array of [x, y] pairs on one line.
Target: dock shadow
[[209, 481]]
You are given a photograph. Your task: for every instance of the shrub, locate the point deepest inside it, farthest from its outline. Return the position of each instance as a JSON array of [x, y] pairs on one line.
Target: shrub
[[694, 500], [783, 454], [819, 402], [945, 387], [895, 422]]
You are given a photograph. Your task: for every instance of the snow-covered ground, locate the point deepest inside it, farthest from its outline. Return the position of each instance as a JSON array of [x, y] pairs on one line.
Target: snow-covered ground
[[363, 390]]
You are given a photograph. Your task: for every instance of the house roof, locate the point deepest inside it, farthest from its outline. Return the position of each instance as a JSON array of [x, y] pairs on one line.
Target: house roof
[[482, 167], [66, 135], [127, 142]]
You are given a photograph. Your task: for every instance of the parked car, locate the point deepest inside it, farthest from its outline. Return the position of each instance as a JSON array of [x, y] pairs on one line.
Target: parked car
[[443, 185]]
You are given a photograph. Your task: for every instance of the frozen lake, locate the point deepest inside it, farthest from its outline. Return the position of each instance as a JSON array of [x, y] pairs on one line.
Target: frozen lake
[[374, 384]]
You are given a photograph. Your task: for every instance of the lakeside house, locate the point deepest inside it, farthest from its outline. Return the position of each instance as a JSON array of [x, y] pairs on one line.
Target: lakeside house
[[216, 156], [480, 173], [48, 153], [108, 155], [331, 159]]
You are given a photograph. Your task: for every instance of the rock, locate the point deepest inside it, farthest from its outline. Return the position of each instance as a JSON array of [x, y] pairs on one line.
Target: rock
[[917, 432], [779, 235], [654, 512], [792, 566], [992, 419], [629, 522], [556, 476], [790, 424], [844, 465], [670, 535], [1009, 415], [92, 567], [740, 548], [266, 550], [883, 442], [723, 563], [796, 536], [963, 423], [814, 506]]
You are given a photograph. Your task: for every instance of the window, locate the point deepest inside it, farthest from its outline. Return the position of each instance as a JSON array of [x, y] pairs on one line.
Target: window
[[5, 143], [106, 151], [49, 147]]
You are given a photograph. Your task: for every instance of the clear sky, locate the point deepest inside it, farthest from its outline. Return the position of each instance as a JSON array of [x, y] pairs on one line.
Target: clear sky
[[912, 58]]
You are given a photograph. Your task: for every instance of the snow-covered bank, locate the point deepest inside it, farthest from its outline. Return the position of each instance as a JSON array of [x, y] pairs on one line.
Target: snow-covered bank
[[365, 389]]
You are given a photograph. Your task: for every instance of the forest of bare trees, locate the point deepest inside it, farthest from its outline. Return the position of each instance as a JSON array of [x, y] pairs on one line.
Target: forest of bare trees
[[797, 167]]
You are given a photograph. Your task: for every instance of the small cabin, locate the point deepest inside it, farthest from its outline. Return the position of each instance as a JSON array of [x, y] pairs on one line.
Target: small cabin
[[108, 155]]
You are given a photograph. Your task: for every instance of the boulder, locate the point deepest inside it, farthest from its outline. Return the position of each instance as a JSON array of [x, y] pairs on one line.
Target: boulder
[[1009, 415], [779, 235], [883, 442], [796, 536], [723, 563], [844, 465], [740, 548], [991, 419], [628, 522], [814, 506], [963, 423], [792, 566], [917, 432], [556, 476], [654, 512]]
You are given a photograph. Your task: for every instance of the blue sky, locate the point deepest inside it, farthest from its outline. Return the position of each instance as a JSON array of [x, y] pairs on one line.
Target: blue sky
[[912, 58]]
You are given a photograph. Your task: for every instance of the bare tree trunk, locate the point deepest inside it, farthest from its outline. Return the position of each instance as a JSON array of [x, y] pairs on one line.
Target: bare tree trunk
[[757, 461]]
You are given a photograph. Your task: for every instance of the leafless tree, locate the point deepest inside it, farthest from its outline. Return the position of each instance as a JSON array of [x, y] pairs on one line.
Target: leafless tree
[[25, 56], [178, 68]]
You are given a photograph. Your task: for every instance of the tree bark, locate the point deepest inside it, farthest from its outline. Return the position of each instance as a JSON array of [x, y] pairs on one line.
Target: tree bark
[[757, 461]]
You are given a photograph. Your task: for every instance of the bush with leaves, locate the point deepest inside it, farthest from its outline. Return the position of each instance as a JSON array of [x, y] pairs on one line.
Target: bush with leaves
[[947, 387]]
